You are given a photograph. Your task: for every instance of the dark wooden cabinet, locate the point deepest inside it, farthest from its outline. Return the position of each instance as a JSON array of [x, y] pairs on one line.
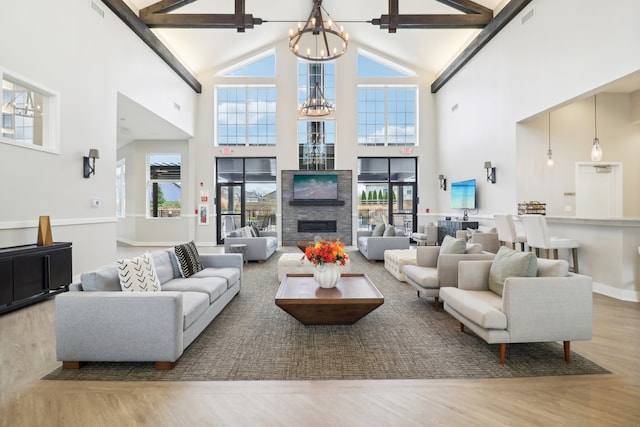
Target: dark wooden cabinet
[[451, 227], [31, 273]]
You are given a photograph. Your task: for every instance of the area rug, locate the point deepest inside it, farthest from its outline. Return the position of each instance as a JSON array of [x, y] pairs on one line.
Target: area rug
[[253, 339]]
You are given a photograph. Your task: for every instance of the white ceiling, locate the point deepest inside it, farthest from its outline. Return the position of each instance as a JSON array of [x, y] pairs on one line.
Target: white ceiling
[[426, 49]]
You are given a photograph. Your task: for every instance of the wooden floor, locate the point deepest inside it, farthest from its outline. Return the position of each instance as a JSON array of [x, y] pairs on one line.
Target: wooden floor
[[27, 352]]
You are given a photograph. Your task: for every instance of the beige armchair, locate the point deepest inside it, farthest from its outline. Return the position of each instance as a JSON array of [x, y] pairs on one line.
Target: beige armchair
[[555, 305], [426, 235]]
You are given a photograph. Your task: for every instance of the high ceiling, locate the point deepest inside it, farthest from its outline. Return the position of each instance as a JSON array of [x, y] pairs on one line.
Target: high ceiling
[[430, 50]]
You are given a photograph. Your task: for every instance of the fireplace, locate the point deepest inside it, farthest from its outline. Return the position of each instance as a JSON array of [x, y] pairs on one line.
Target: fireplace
[[329, 226]]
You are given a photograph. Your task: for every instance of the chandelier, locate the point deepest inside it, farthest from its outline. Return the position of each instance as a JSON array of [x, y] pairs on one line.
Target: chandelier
[[317, 40], [316, 105]]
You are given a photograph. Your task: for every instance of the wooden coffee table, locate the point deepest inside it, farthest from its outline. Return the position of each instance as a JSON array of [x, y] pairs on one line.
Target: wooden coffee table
[[354, 297]]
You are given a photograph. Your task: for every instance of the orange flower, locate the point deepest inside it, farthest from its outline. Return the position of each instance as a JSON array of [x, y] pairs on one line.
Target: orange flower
[[330, 252]]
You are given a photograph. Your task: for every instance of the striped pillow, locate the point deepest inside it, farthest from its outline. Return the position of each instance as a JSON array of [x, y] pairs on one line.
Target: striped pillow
[[188, 259]]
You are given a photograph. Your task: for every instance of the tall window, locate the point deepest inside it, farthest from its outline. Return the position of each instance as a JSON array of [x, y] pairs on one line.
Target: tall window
[[246, 113], [27, 115], [316, 135], [121, 211], [164, 190], [387, 113], [387, 190]]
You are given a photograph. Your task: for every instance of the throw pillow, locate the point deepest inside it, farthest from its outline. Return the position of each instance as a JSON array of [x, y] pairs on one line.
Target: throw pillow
[[188, 259], [138, 274], [451, 245], [246, 231], [378, 231], [510, 263], [471, 232], [389, 231], [254, 231]]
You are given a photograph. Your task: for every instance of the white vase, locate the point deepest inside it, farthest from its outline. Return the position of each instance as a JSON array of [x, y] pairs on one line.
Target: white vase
[[327, 275]]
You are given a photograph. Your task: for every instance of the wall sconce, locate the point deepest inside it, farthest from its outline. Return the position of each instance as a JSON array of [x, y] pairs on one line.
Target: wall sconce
[[90, 162], [443, 182], [491, 172]]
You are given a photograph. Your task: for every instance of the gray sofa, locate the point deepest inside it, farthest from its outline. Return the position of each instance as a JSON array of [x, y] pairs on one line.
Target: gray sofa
[[96, 321], [555, 305], [434, 271], [373, 247], [258, 248]]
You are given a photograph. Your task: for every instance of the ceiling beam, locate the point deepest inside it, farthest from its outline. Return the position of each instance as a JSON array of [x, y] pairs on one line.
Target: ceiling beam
[[156, 16], [164, 6], [467, 6], [493, 28], [474, 16], [131, 19]]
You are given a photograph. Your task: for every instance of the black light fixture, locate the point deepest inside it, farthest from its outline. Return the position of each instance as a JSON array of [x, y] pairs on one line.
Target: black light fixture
[[491, 172], [317, 40], [443, 182], [89, 162]]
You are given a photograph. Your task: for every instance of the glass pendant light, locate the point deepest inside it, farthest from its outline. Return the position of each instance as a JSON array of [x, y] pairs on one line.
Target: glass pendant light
[[549, 153], [596, 151]]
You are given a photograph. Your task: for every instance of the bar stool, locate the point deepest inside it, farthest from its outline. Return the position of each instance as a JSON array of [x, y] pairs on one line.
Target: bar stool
[[538, 238], [507, 231]]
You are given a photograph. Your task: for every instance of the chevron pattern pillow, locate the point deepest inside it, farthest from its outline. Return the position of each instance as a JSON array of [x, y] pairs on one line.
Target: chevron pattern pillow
[[188, 259], [138, 274]]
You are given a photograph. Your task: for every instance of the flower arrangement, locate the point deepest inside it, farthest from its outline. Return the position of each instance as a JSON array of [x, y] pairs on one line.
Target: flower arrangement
[[326, 251]]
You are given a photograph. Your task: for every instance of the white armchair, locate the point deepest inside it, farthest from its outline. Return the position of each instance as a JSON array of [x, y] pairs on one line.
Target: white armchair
[[553, 306]]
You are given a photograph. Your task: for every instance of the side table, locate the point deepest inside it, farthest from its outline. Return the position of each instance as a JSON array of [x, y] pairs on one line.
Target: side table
[[239, 248]]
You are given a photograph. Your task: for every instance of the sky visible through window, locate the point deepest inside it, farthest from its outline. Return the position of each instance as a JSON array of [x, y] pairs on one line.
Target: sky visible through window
[[389, 117]]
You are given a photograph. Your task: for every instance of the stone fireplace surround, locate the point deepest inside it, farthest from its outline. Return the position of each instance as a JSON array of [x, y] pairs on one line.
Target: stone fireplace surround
[[339, 211]]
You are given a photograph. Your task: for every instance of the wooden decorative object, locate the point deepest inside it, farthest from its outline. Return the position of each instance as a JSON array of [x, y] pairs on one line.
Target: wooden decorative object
[[45, 237]]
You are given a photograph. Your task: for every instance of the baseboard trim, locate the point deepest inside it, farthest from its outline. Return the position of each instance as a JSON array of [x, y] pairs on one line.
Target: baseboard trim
[[617, 293]]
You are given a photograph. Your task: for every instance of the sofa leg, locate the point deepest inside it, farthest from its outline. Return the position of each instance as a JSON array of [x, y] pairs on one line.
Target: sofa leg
[[461, 327], [372, 261], [503, 352], [436, 304], [165, 366], [72, 365], [418, 294], [567, 351]]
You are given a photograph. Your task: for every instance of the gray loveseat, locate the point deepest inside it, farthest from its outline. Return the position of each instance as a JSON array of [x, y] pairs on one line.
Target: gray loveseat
[[373, 247], [98, 322], [258, 248]]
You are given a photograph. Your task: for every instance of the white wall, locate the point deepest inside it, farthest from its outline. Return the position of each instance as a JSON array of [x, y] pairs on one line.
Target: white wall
[[88, 60], [564, 54], [567, 50], [572, 133]]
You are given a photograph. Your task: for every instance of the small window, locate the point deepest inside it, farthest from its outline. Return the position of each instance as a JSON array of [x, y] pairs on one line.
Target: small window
[[371, 65], [164, 189], [27, 115]]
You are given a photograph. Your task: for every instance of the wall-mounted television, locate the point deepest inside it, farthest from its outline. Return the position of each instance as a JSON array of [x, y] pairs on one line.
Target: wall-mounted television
[[463, 194], [315, 187]]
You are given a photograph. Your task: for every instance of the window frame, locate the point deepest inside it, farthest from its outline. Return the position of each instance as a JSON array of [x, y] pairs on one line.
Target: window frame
[[50, 109], [386, 87], [150, 182], [247, 143]]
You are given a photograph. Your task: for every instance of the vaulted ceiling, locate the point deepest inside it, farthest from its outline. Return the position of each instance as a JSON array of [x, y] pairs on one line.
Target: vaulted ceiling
[[430, 35]]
